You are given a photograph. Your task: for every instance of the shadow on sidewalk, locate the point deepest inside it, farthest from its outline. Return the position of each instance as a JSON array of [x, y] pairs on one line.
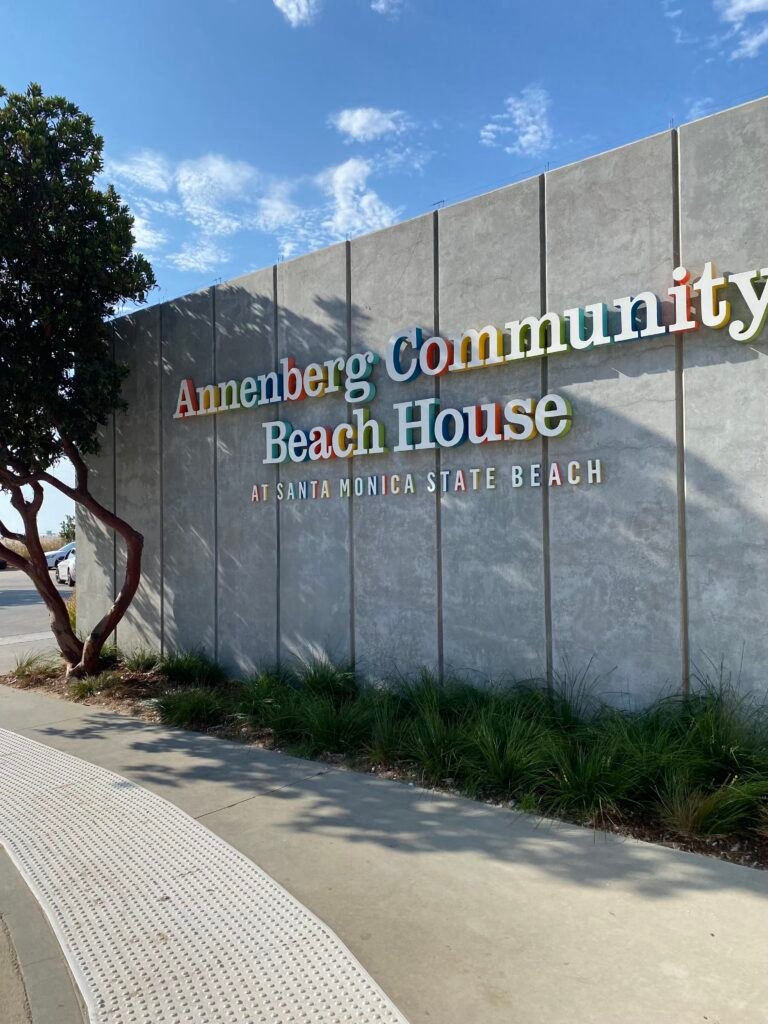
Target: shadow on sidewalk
[[359, 808]]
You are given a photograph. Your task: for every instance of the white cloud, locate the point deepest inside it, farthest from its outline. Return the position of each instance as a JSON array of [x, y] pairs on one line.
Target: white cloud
[[750, 37], [200, 255], [526, 121], [362, 124], [737, 11], [146, 169], [404, 158], [148, 239], [751, 43], [298, 12], [211, 199], [208, 186], [390, 8], [276, 209], [354, 207], [699, 108]]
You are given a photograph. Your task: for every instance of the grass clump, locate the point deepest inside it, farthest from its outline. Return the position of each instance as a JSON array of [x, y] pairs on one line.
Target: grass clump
[[196, 707], [192, 668], [142, 659], [723, 811], [36, 669], [105, 682]]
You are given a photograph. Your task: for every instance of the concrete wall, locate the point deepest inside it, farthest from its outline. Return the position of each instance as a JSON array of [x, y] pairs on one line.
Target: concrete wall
[[656, 572]]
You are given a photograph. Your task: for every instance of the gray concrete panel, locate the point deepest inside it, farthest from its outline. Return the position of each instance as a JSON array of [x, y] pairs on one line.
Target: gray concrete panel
[[614, 552], [189, 602], [247, 531], [314, 581], [493, 570], [395, 537], [137, 472], [96, 543], [724, 168]]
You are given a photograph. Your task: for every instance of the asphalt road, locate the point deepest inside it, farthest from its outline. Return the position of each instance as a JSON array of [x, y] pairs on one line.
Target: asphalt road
[[24, 623]]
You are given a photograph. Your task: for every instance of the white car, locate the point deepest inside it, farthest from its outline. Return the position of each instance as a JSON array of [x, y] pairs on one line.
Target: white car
[[59, 555], [65, 570]]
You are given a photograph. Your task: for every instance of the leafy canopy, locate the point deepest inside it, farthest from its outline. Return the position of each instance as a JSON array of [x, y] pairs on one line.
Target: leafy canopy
[[67, 530], [66, 266]]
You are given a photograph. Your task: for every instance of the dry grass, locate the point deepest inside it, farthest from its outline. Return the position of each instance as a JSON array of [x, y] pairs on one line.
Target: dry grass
[[49, 544]]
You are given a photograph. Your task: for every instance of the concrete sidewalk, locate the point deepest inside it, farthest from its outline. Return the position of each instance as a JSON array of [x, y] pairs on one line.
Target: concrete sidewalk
[[24, 622], [464, 914]]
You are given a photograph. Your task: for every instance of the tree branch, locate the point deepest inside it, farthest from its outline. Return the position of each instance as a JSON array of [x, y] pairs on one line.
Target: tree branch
[[9, 534]]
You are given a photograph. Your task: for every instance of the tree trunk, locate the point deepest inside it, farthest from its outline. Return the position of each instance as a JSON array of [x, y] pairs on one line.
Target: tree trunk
[[89, 661]]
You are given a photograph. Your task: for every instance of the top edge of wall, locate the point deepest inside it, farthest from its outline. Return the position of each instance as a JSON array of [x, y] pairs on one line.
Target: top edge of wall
[[722, 113], [470, 199]]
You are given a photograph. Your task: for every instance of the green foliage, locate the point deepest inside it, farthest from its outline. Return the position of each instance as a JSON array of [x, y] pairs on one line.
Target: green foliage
[[104, 682], [193, 668], [67, 530], [697, 766], [32, 669], [268, 702], [719, 812], [505, 752], [193, 708], [321, 678], [386, 742], [66, 266], [329, 727], [142, 659], [110, 654]]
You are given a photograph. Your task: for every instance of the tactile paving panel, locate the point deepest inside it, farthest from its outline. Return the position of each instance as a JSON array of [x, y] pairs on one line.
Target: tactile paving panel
[[160, 920]]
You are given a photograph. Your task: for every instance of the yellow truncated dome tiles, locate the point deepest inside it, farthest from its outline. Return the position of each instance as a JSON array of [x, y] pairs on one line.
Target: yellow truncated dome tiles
[[160, 920]]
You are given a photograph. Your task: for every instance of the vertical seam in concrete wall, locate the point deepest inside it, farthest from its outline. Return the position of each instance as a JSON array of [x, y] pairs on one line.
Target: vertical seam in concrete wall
[[545, 529], [438, 494], [161, 495], [114, 491], [682, 529], [215, 487], [351, 505], [275, 354]]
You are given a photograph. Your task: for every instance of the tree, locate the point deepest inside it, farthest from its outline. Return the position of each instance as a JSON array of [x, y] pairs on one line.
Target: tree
[[67, 530], [67, 265]]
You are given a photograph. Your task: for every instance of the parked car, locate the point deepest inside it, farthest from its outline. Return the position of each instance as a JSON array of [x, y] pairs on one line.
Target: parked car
[[65, 570], [59, 555]]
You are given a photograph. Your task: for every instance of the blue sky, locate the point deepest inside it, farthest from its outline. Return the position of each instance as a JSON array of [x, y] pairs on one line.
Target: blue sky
[[245, 131]]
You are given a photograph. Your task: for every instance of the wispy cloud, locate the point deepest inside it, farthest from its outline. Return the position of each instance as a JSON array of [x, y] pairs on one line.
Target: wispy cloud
[[737, 11], [209, 186], [389, 8], [363, 124], [200, 254], [354, 207], [149, 240], [187, 217], [298, 12], [746, 34], [147, 169], [750, 43], [699, 108], [670, 9], [524, 126]]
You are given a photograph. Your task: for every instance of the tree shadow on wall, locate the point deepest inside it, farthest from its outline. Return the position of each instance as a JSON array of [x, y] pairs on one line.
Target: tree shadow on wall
[[613, 554]]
